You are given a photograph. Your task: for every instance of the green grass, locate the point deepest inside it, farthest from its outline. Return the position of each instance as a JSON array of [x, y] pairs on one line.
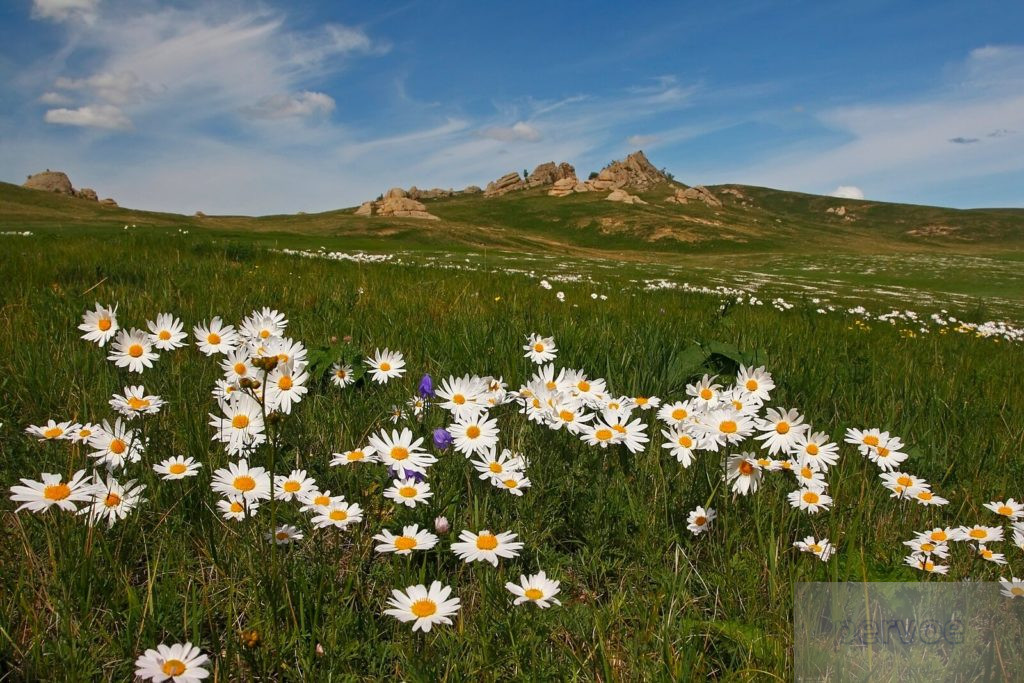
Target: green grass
[[643, 599]]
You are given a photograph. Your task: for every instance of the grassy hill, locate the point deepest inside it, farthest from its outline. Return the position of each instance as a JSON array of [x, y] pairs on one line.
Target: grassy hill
[[756, 220]]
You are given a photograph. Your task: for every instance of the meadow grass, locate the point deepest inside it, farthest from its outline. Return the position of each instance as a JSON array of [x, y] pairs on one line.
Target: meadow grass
[[642, 598]]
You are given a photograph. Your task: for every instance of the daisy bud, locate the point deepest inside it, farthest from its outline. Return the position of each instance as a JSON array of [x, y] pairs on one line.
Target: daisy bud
[[441, 525], [442, 439], [319, 650]]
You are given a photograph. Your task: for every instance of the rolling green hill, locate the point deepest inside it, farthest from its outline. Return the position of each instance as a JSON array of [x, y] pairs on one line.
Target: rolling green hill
[[756, 220]]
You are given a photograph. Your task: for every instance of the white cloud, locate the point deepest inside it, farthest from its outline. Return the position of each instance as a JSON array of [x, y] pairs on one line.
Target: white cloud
[[642, 140], [519, 131], [847, 192], [92, 116], [120, 88], [63, 10], [54, 98], [296, 105]]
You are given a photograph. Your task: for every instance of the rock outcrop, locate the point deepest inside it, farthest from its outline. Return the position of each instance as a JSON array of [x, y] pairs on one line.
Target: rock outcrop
[[635, 171], [837, 210], [59, 183], [396, 203], [51, 181], [620, 195], [685, 195], [548, 173], [563, 187], [504, 184]]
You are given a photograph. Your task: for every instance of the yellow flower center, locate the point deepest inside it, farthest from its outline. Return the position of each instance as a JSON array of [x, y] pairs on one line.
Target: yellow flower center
[[727, 427], [355, 455], [746, 468], [927, 547], [583, 386], [883, 452], [924, 495], [84, 433], [496, 467], [815, 548], [338, 515], [53, 432], [399, 453], [806, 473], [135, 350], [137, 403], [1005, 510], [282, 536], [511, 483], [641, 400], [240, 369], [264, 334], [341, 374], [104, 324], [236, 507], [685, 441], [291, 486], [177, 468], [538, 347], [871, 440], [706, 394], [112, 500], [700, 521], [751, 385], [405, 543], [812, 449], [117, 446], [603, 434], [811, 497], [679, 414], [285, 383], [424, 607], [213, 338], [459, 399], [566, 416], [244, 483], [322, 500], [1017, 591], [939, 536], [551, 386], [619, 428], [173, 667], [240, 421], [534, 593], [486, 542], [928, 565], [407, 492], [904, 480], [385, 367], [57, 492], [977, 533], [164, 335], [472, 431], [782, 428]]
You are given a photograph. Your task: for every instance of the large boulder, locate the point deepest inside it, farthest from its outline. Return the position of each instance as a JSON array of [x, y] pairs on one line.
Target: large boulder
[[685, 195], [563, 187], [402, 207], [365, 209], [108, 202], [87, 193], [51, 181], [395, 193], [621, 195], [506, 183], [472, 189], [635, 171], [550, 173]]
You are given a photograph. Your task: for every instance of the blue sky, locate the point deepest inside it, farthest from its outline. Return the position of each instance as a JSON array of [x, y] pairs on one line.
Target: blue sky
[[269, 107]]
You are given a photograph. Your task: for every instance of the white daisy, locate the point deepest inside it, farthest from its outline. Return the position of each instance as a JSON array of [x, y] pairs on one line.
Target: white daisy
[[815, 451], [781, 429], [285, 385], [38, 496], [339, 515], [295, 485], [1012, 587], [385, 365], [241, 425], [755, 382], [135, 402], [366, 454], [486, 546], [253, 483], [215, 337], [1010, 508], [400, 451], [167, 332], [100, 325], [474, 434], [540, 349], [51, 431], [341, 375], [422, 606], [178, 467], [491, 465], [112, 500], [513, 482], [115, 445], [822, 548], [237, 365], [461, 396], [408, 492], [132, 349], [810, 500], [236, 508], [744, 473], [284, 534], [537, 588], [699, 520], [179, 663], [412, 538]]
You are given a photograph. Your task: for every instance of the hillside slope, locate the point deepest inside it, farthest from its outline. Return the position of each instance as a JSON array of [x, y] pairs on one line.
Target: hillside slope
[[751, 219]]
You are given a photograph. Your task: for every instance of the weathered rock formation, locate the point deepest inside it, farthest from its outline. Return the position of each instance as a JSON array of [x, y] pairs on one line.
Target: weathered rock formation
[[50, 181], [685, 195], [547, 173], [635, 171], [620, 195], [397, 203], [837, 210], [59, 183], [563, 187]]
